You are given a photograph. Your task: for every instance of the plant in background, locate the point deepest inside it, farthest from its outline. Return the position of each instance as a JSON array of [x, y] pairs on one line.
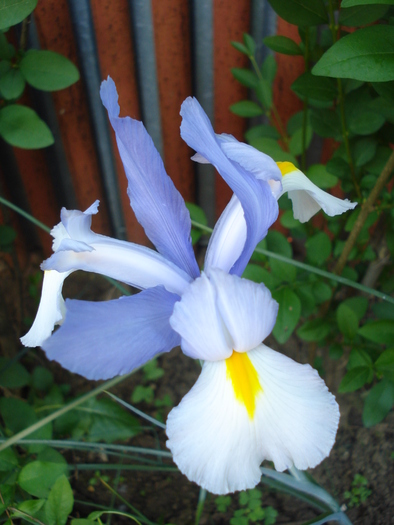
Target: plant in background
[[347, 95], [251, 511], [45, 70], [358, 493]]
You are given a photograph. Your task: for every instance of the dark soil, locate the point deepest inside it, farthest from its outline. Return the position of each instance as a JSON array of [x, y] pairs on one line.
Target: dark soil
[[169, 497]]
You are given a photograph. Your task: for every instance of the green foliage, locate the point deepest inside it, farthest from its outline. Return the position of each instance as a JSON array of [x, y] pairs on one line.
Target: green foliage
[[250, 511], [347, 93], [46, 70], [359, 491]]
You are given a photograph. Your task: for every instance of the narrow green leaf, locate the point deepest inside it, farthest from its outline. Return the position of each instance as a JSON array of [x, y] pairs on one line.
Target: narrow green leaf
[[347, 321], [60, 502], [264, 92], [355, 379], [282, 44], [381, 332], [366, 54], [269, 68], [240, 47], [48, 70], [246, 108], [385, 364], [249, 43], [14, 11], [288, 314], [21, 126], [296, 144], [378, 403], [301, 12]]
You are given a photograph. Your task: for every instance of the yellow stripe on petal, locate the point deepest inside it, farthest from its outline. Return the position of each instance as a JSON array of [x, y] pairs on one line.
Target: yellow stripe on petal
[[286, 167], [243, 376]]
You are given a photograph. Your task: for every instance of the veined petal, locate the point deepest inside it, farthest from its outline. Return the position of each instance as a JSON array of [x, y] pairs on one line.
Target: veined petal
[[307, 198], [228, 237], [127, 262], [100, 340], [259, 205], [51, 309], [156, 202], [197, 320], [218, 444], [246, 308]]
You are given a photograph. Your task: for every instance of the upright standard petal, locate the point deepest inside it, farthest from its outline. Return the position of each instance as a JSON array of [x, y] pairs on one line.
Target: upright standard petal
[[259, 206], [51, 309], [157, 204], [100, 340], [219, 442], [306, 197]]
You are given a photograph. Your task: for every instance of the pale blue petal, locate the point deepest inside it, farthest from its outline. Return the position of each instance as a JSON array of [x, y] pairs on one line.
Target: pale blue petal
[[259, 205], [156, 202], [100, 340]]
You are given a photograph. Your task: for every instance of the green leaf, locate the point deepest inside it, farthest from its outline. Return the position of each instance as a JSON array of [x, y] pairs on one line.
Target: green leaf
[[38, 477], [360, 118], [296, 141], [378, 403], [245, 76], [152, 371], [197, 214], [12, 84], [318, 248], [282, 44], [385, 89], [246, 108], [258, 274], [42, 379], [8, 460], [301, 12], [319, 175], [288, 314], [21, 126], [359, 357], [383, 310], [381, 332], [48, 70], [13, 375], [314, 330], [240, 47], [264, 92], [14, 11], [142, 393], [262, 130], [31, 506], [385, 364], [351, 3], [277, 242], [326, 123], [321, 291], [269, 68], [364, 150], [287, 220], [249, 43], [366, 54], [110, 422], [283, 272], [361, 15], [347, 321], [313, 87], [60, 502], [358, 304], [355, 379]]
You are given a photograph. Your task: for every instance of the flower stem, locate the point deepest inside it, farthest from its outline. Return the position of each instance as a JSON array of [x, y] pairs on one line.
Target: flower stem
[[366, 208]]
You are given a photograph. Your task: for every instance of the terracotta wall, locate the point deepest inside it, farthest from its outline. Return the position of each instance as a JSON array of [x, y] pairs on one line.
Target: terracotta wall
[[173, 39]]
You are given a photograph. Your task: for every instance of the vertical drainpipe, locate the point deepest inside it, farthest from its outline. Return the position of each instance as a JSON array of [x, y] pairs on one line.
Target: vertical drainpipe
[[84, 34], [144, 48], [202, 45]]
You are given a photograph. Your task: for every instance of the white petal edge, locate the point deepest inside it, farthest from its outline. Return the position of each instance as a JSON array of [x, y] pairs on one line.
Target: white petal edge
[[306, 205], [215, 443], [51, 310]]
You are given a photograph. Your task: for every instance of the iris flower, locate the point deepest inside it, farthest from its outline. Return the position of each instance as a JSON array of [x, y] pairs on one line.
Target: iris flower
[[249, 403]]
